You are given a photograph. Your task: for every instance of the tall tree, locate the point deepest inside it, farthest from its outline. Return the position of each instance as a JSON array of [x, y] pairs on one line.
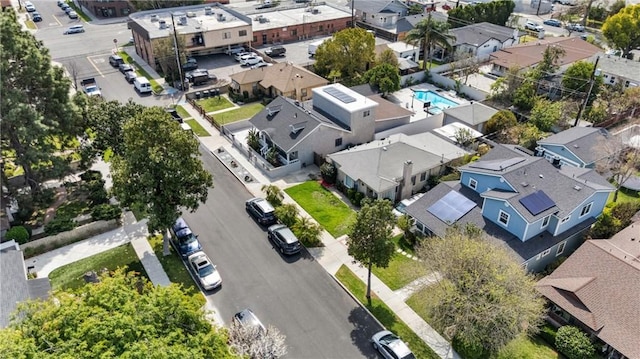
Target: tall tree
[[500, 121], [38, 119], [428, 33], [253, 342], [546, 114], [387, 56], [577, 80], [622, 30], [385, 76], [484, 298], [550, 60], [160, 169], [165, 53], [369, 239], [619, 156], [122, 316], [346, 55]]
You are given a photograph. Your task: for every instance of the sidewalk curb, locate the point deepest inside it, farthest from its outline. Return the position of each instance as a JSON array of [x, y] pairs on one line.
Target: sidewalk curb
[[358, 301]]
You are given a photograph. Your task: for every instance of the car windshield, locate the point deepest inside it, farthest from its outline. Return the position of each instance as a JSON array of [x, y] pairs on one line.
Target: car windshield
[[189, 238], [388, 339], [206, 270]]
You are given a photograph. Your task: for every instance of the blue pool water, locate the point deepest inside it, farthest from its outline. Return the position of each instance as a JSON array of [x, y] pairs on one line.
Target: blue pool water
[[438, 103]]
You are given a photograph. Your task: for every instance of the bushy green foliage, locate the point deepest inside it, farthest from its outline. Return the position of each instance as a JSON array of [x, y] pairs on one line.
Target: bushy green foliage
[[546, 114], [106, 212], [91, 175], [525, 96], [96, 193], [469, 350], [59, 224], [354, 196], [574, 343], [501, 120], [273, 194], [495, 12], [328, 172], [624, 211], [18, 234], [308, 232], [385, 76], [548, 334], [287, 214]]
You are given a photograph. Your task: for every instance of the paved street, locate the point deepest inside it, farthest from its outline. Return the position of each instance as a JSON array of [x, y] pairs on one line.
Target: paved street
[[295, 294]]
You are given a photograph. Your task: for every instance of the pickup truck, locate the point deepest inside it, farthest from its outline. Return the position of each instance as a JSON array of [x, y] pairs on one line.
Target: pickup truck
[[90, 87]]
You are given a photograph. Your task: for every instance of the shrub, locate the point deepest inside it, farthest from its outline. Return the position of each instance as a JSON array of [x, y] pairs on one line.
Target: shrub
[[44, 198], [17, 233], [624, 211], [58, 225], [106, 212], [96, 192], [91, 175], [453, 176], [548, 334], [469, 350], [328, 172], [433, 181], [26, 208], [573, 343], [287, 214]]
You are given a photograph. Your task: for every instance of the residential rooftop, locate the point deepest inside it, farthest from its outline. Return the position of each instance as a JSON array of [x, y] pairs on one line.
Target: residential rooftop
[[295, 15]]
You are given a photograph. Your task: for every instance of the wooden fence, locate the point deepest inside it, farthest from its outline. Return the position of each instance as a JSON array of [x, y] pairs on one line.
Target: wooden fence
[[203, 113]]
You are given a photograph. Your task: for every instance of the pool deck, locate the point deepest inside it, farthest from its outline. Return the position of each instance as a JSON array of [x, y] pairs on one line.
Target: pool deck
[[404, 97]]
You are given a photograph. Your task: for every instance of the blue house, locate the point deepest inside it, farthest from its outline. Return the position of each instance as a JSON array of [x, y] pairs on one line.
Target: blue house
[[576, 146], [524, 203]]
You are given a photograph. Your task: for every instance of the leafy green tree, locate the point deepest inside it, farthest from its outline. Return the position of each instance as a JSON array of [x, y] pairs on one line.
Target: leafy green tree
[[495, 12], [385, 76], [501, 120], [18, 234], [504, 87], [274, 194], [308, 232], [38, 120], [253, 139], [415, 9], [577, 79], [617, 158], [523, 134], [287, 214], [574, 343], [616, 7], [525, 96], [165, 52], [122, 316], [484, 298], [545, 114], [388, 56], [622, 30], [369, 239], [428, 33], [160, 169], [346, 55], [550, 60]]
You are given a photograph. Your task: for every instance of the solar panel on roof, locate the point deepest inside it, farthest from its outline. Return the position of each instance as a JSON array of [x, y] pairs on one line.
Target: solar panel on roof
[[451, 207], [497, 165], [339, 94], [537, 202]]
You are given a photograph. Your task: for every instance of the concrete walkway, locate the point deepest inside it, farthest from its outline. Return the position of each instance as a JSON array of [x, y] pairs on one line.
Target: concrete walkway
[[334, 254]]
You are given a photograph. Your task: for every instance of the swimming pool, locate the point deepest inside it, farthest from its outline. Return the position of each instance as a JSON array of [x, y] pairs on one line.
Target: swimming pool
[[438, 103]]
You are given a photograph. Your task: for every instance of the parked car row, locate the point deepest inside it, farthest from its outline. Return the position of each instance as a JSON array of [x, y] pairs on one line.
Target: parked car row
[[140, 83], [280, 235], [67, 9]]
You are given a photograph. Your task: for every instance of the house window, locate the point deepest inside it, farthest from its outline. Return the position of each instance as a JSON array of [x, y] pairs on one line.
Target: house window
[[294, 32], [545, 253], [473, 183], [242, 33], [545, 221], [560, 248], [503, 218], [348, 182], [413, 180], [303, 92], [320, 27], [565, 219], [423, 176], [366, 113], [586, 209], [226, 35], [338, 142]]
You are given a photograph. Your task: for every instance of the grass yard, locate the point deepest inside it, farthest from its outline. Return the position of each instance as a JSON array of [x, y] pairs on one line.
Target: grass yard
[[212, 104], [522, 348], [173, 265], [182, 112], [197, 129], [327, 209], [384, 314], [242, 113], [400, 272], [402, 243], [71, 275], [624, 195]]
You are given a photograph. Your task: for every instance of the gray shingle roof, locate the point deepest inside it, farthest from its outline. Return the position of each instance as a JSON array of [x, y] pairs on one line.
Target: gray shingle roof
[[626, 68], [478, 34], [409, 22], [371, 6], [472, 114], [581, 141]]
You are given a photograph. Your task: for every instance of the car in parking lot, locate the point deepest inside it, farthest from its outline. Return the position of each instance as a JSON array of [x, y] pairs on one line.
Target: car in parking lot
[[261, 210], [190, 65], [64, 7], [274, 51], [283, 238], [390, 346], [73, 15], [533, 26], [185, 241], [67, 10], [74, 29], [115, 60], [28, 5], [239, 56], [36, 17], [130, 76], [575, 27], [204, 270], [248, 319], [125, 68], [552, 22], [234, 50], [61, 2], [261, 64], [250, 61]]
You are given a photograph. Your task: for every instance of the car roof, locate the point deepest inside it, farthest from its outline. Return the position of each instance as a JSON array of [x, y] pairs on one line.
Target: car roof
[[247, 317], [286, 234], [264, 205], [200, 259]]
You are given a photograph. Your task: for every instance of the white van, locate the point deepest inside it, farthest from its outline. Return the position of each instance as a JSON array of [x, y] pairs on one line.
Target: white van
[[142, 85]]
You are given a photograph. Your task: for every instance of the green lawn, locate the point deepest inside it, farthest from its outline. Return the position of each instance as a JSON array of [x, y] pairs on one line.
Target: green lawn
[[212, 104], [197, 129], [71, 275], [384, 314], [182, 112], [400, 272], [173, 265], [327, 209], [403, 244], [243, 113], [624, 195], [523, 347]]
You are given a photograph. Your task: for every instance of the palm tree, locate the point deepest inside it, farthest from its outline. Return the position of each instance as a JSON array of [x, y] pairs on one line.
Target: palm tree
[[274, 194], [427, 33]]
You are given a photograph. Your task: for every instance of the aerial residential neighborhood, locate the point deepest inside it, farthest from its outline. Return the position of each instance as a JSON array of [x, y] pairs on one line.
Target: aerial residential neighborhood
[[320, 179]]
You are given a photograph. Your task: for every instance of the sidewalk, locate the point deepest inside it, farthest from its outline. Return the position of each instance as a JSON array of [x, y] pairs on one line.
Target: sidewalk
[[334, 253]]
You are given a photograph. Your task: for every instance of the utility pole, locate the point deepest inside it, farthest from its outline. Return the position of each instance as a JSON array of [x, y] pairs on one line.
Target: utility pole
[[175, 46], [586, 100], [353, 14]]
